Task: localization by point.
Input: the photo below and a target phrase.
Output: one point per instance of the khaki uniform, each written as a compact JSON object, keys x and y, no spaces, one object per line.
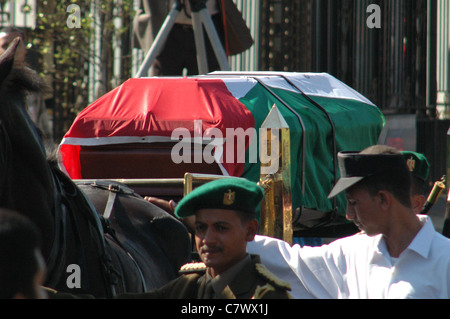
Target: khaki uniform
{"x":252,"y":281}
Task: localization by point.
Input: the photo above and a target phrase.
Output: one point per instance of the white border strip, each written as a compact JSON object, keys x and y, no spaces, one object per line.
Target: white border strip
{"x":113,"y":140}
{"x":312,"y":84}
{"x":94,"y":141}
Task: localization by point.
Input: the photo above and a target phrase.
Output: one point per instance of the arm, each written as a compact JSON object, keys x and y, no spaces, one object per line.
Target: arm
{"x":309,"y":270}
{"x":169,"y":206}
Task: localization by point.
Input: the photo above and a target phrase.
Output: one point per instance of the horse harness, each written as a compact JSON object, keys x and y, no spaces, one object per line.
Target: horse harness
{"x":114,"y":189}
{"x":68,"y":197}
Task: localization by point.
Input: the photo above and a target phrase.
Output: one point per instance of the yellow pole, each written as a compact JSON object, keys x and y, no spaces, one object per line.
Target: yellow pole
{"x":276,"y":209}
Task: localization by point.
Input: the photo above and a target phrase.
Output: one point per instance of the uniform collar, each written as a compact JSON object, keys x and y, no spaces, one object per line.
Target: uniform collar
{"x":420,"y":244}
{"x":242,"y":285}
{"x":220,"y":282}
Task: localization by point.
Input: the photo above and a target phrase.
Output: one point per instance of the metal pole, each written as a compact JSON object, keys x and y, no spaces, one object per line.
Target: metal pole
{"x":201,"y":16}
{"x":431,"y":55}
{"x":276,"y":209}
{"x":200,"y":49}
{"x":215,"y":41}
{"x":160,"y":40}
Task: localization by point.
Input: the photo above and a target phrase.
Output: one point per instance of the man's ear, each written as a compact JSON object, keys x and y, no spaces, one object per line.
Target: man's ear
{"x":418,"y":201}
{"x":385,"y":199}
{"x":252,"y":229}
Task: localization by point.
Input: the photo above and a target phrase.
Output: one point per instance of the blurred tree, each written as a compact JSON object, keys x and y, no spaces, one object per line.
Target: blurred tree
{"x":77,"y":39}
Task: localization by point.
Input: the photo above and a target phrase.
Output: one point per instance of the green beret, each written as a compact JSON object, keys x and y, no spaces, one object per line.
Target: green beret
{"x":232,"y":193}
{"x":417,"y":164}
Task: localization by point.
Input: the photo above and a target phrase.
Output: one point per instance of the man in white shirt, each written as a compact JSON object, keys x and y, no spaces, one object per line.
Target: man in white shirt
{"x":398,"y":254}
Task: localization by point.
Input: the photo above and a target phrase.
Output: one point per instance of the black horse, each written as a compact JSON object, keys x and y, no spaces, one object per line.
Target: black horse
{"x":92,"y":245}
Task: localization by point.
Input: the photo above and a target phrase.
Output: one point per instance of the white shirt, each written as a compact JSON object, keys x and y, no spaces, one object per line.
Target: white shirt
{"x":360,"y":266}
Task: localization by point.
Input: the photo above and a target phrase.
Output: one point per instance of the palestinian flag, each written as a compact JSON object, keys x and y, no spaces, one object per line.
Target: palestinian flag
{"x":324,"y":115}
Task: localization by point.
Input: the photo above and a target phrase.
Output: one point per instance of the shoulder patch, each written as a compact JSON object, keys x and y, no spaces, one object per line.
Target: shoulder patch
{"x":49,"y":290}
{"x":192,"y":268}
{"x":279,"y":283}
{"x":260,"y":292}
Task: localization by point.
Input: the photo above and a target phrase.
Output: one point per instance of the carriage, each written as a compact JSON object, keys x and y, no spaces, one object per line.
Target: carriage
{"x":123,"y":243}
{"x":150,"y":132}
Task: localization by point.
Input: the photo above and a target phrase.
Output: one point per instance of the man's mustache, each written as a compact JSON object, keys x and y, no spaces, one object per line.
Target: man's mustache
{"x":210,"y":249}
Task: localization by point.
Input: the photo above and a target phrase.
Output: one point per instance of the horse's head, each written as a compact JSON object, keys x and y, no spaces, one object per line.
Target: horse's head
{"x":14,"y":74}
{"x":26,"y":182}
{"x":72,"y":231}
{"x":7,"y":60}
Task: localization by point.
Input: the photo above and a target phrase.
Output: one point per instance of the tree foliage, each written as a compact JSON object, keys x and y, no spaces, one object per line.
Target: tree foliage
{"x":79,"y":56}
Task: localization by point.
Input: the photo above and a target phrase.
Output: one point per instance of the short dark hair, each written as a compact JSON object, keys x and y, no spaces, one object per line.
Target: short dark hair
{"x":246,"y":216}
{"x":396,"y":181}
{"x":19,"y":240}
{"x":418,"y":186}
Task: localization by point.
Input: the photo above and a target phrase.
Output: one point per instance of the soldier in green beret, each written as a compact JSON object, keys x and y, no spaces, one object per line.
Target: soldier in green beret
{"x":419,"y":167}
{"x":225,"y":221}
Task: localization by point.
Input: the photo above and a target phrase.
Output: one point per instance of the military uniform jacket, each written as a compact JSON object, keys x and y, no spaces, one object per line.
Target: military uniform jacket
{"x":253,"y":281}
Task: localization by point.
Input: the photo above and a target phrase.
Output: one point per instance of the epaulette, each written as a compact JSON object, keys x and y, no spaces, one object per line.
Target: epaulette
{"x":193,"y":268}
{"x":274,"y":280}
{"x":49,"y":290}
